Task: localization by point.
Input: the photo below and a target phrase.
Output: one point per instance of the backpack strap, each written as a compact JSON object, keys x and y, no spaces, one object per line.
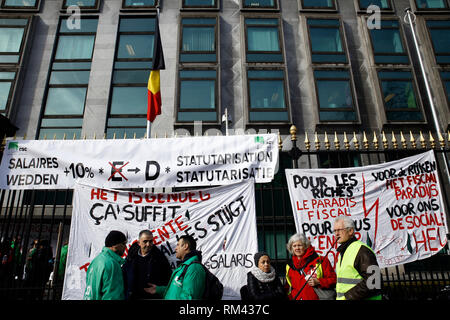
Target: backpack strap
{"x":183,"y":273}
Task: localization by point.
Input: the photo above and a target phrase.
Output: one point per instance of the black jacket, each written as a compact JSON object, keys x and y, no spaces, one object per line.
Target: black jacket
{"x":138,"y":271}
{"x":363,"y":260}
{"x":256,"y":290}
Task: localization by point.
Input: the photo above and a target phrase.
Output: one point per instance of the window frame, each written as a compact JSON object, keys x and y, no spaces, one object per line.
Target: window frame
{"x":214,"y":7}
{"x":125,"y":8}
{"x":216,"y":39}
{"x":415,"y":88}
{"x":443,"y":81}
{"x":49,"y":86}
{"x":111,"y":129}
{"x":94,"y":8}
{"x":432,"y":10}
{"x":17,"y":67}
{"x":216,"y":95}
{"x":280,"y":39}
{"x":303,"y":8}
{"x":435,"y":54}
{"x":342,"y":36}
{"x":243,"y":7}
{"x":351,"y":81}
{"x":361,"y":9}
{"x":12,"y":88}
{"x":262,"y":110}
{"x":402,"y":39}
{"x":36,"y":8}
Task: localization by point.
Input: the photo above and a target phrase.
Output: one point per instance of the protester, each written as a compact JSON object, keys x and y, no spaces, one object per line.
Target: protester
{"x":190,"y":286}
{"x":352,"y":268}
{"x":29,"y":259}
{"x":42,"y":262}
{"x":301,"y":279}
{"x":62,"y":261}
{"x":144,"y":264}
{"x":104,"y":279}
{"x":262,"y":282}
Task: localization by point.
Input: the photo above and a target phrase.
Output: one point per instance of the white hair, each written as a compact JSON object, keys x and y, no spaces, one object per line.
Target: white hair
{"x":348,"y":222}
{"x":297,"y":237}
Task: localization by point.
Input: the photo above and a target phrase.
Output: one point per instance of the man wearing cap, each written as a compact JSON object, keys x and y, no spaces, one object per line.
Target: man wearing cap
{"x":104,"y":279}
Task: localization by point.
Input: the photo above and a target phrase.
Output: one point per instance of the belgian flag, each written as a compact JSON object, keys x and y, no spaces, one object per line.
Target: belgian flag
{"x":154,"y":95}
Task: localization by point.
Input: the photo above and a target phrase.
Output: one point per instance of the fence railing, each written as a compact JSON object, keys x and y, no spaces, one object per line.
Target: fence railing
{"x":27,"y":216}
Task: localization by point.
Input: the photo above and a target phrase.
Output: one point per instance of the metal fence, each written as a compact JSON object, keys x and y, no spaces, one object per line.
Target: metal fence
{"x":44,"y":217}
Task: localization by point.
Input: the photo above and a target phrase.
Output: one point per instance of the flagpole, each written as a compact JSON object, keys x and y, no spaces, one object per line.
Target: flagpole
{"x":149,"y":125}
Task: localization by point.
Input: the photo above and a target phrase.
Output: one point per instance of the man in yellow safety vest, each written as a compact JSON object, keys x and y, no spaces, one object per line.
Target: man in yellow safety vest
{"x":356,"y":265}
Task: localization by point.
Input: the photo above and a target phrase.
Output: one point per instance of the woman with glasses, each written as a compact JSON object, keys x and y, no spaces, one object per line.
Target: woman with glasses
{"x":308,"y":275}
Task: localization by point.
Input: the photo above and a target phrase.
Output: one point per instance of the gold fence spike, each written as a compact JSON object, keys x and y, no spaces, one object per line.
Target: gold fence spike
{"x":316,"y":141}
{"x":104,"y":135}
{"x":432,"y":142}
{"x":45,"y":136}
{"x":384,"y":140}
{"x":64,"y":136}
{"x":326,"y":141}
{"x":54,"y":136}
{"x":280,"y":142}
{"x":346,"y":143}
{"x":394,"y":141}
{"x":403,"y":140}
{"x":25,"y":136}
{"x":423,"y":143}
{"x":365,"y":141}
{"x":375,"y":141}
{"x":293,"y":132}
{"x":125,"y":135}
{"x":114,"y":135}
{"x":355,"y":141}
{"x":412,"y":140}
{"x":3,"y":145}
{"x":441,"y":140}
{"x":134,"y":135}
{"x":337,"y":145}
{"x":307,"y":143}
{"x":95,"y":135}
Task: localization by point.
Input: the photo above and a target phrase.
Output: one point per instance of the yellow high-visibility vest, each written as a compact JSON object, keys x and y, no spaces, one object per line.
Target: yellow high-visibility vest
{"x":347,"y":275}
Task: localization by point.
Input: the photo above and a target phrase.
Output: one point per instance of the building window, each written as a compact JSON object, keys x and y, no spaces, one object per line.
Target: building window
{"x":198,"y":40}
{"x":132,"y":65}
{"x":19,"y":4}
{"x":382,"y":4}
{"x":318,"y":4}
{"x":269,"y":4}
{"x":387,"y":43}
{"x":197,"y":95}
{"x":198,"y":72}
{"x":68,"y":81}
{"x":335,"y":95}
{"x":431,"y":4}
{"x":200,"y":4}
{"x":7,"y":80}
{"x":263,"y":40}
{"x":130,"y":4}
{"x":13,"y":38}
{"x":445,"y":75}
{"x":399,"y":96}
{"x":267,"y":95}
{"x":83,"y":4}
{"x":326,"y":41}
{"x":439,"y":33}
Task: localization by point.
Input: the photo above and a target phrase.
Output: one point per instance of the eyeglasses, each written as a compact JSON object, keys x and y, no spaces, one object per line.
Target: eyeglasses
{"x":338,"y":230}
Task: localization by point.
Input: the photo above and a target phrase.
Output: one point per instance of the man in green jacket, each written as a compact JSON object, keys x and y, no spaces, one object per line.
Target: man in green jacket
{"x":190,"y":286}
{"x":104,"y":279}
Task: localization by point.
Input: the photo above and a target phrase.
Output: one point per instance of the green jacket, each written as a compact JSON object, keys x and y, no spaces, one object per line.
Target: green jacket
{"x":192,"y":285}
{"x":104,"y":279}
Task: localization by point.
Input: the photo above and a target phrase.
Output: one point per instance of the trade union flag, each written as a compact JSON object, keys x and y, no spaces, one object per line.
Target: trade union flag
{"x":154,"y":94}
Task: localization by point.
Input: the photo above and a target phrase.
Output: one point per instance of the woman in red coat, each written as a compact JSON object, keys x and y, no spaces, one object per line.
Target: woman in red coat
{"x":301,"y":270}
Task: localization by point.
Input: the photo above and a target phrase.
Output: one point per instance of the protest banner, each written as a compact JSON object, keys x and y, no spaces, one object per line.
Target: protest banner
{"x":397,"y":207}
{"x":221,"y":219}
{"x":139,"y":163}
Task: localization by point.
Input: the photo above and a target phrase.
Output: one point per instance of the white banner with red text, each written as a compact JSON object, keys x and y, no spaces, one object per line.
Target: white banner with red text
{"x":397,"y":207}
{"x":139,"y":163}
{"x":221,"y":219}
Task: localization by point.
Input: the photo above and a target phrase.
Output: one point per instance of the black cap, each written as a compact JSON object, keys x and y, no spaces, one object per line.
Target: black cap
{"x":258,"y":256}
{"x":115,"y":237}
